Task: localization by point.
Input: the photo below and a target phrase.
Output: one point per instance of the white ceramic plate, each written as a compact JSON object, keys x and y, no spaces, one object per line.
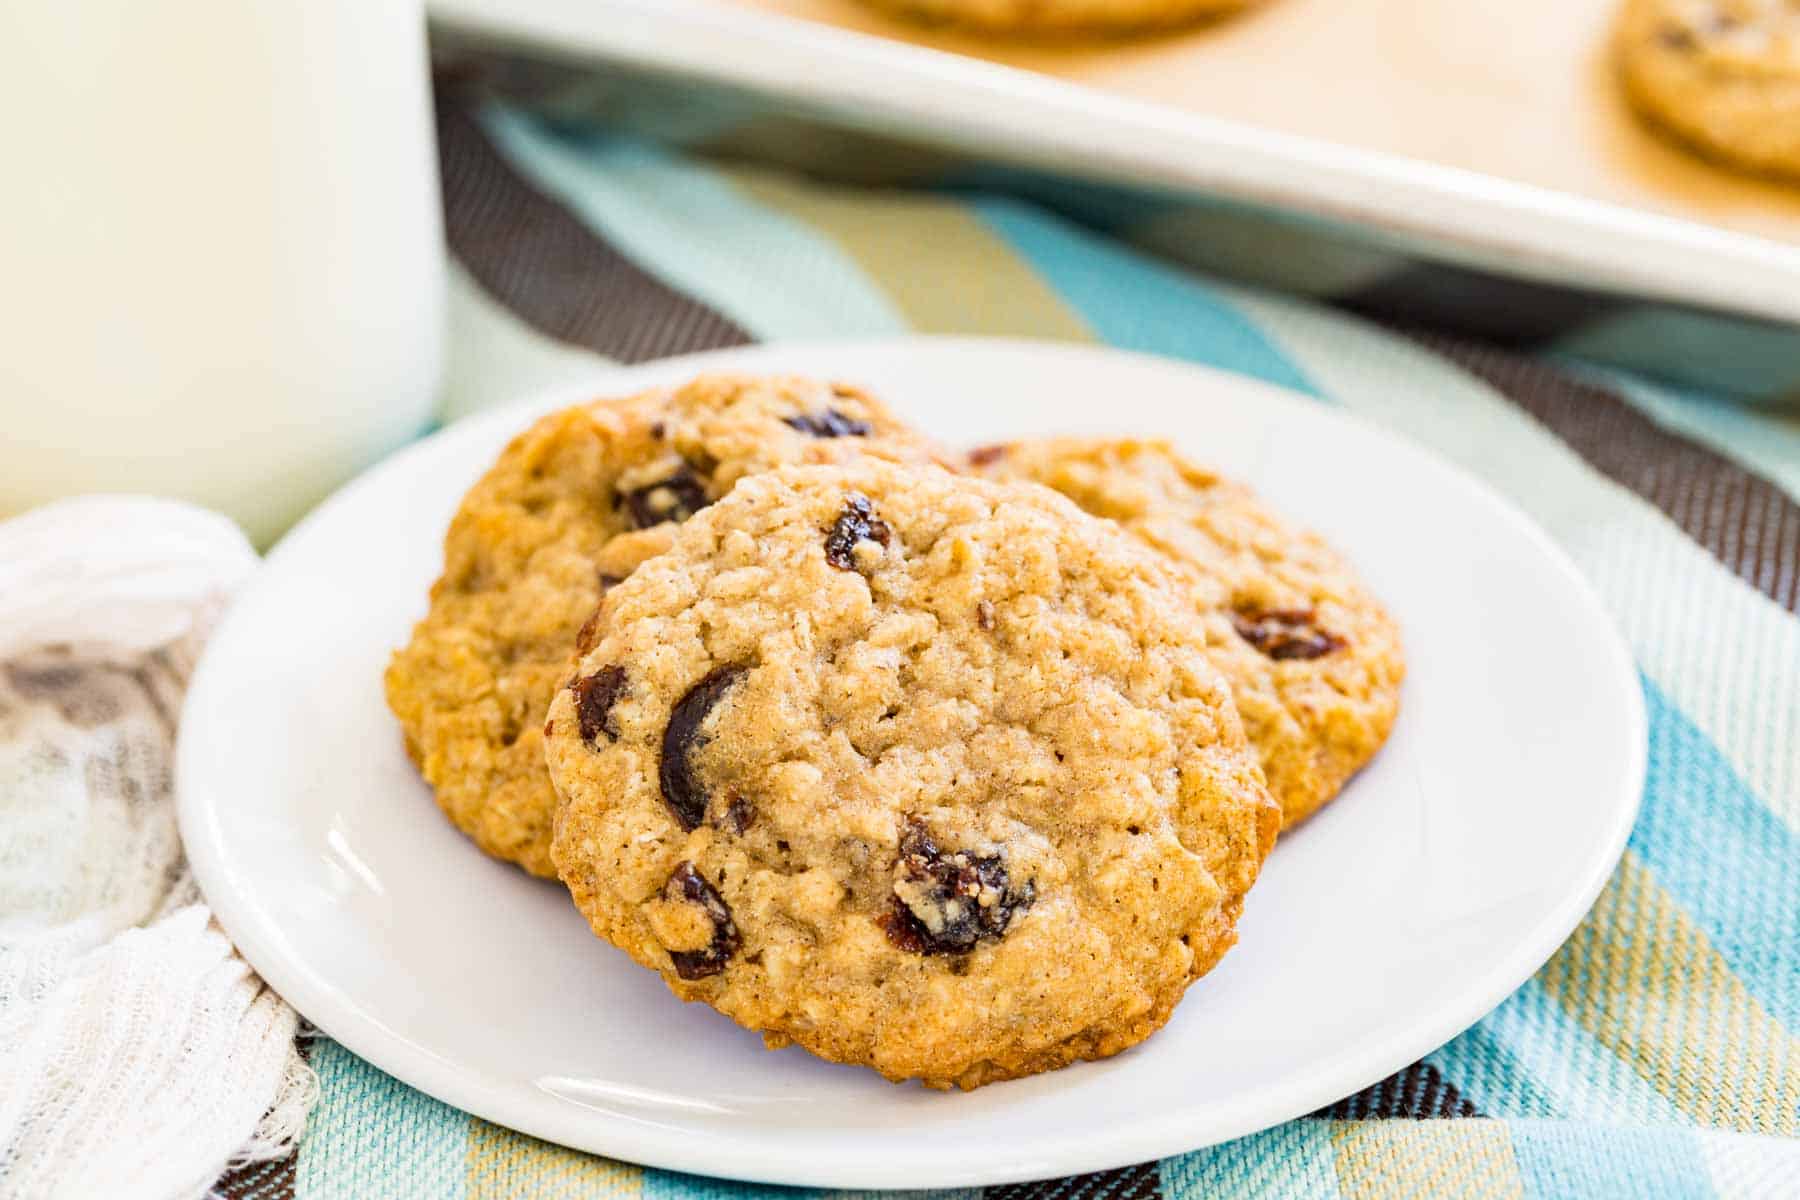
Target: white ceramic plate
{"x":1444,"y":876}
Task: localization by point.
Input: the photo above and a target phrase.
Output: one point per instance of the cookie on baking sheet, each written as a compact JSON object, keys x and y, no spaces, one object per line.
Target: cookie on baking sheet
{"x":573,"y":503}
{"x":1061,"y":16}
{"x":917,"y":770}
{"x":1313,"y":659}
{"x":1723,"y":75}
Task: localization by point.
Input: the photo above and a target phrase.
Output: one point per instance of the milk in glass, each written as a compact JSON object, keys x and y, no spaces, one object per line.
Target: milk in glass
{"x":221,"y":271}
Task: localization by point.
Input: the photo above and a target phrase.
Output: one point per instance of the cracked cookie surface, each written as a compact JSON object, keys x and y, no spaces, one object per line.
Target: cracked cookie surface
{"x":573,"y":504}
{"x":1722,"y":75}
{"x":917,"y":770}
{"x":1314,"y":661}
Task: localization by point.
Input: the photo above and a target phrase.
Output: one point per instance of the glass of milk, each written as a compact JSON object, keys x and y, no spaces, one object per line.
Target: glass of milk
{"x":221,"y":260}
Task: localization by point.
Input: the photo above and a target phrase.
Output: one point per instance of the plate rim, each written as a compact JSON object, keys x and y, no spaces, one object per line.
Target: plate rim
{"x":258,"y":939}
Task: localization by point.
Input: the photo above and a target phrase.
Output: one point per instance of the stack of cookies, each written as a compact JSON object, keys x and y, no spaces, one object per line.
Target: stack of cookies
{"x":955,"y":766}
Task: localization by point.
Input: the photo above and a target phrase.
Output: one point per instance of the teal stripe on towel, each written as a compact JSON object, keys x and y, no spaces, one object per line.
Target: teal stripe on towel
{"x":1136,"y":303}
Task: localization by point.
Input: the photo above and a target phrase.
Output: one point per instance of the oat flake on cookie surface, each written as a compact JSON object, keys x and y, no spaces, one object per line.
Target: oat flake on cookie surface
{"x":917,"y":770}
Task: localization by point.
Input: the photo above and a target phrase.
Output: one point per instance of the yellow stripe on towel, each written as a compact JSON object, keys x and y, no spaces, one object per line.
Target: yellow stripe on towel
{"x":1454,"y":1158}
{"x":1646,"y":981}
{"x":501,"y":1163}
{"x":938,"y":262}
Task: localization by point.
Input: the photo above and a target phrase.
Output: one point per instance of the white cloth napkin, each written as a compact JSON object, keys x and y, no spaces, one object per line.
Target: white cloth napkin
{"x":139,"y":1055}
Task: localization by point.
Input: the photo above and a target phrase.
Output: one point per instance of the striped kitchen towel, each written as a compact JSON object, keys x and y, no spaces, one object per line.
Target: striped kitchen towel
{"x":1657,"y":1053}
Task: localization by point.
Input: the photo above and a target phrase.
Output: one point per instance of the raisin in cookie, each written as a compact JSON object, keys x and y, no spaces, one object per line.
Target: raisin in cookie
{"x":1061,"y":17}
{"x":1313,"y":660}
{"x":1723,"y":75}
{"x":574,"y":503}
{"x":917,"y":770}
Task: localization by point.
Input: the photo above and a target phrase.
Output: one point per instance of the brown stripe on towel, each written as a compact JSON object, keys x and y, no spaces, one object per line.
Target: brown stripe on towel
{"x":542,"y":262}
{"x":1512,"y":312}
{"x":258,"y":1181}
{"x":1140,"y":1182}
{"x":1747,"y":523}
{"x":1420,"y":1092}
